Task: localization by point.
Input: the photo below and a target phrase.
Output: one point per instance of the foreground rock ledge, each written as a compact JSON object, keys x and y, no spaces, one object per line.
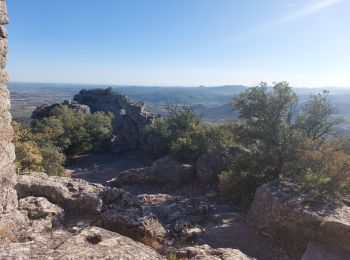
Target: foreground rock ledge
{"x":90,"y":243}
{"x":294,"y":219}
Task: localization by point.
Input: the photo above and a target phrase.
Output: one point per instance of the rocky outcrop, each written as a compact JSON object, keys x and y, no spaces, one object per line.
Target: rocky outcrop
{"x":112,"y":208}
{"x":39,"y":207}
{"x":130,"y":117}
{"x":166,"y":170}
{"x":89,"y":243}
{"x":210,"y":165}
{"x":282,"y":212}
{"x":205,"y":252}
{"x":46,"y":110}
{"x":77,"y":195}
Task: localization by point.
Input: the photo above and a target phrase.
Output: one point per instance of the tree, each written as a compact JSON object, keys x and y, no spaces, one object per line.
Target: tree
{"x":317,"y":120}
{"x":267,"y":117}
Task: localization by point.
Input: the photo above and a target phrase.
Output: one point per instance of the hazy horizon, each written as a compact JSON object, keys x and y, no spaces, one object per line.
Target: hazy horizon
{"x":166,"y":86}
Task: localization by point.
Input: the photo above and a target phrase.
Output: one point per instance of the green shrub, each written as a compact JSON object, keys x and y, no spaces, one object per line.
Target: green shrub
{"x":45,"y":144}
{"x":53,"y":161}
{"x":180,"y":134}
{"x":28,"y":157}
{"x":74,"y":132}
{"x":224,"y":134}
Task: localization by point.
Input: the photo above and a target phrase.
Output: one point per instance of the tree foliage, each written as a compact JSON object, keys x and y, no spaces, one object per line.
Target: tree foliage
{"x":273,"y":130}
{"x":180,"y":134}
{"x":317,"y":120}
{"x":45,"y":144}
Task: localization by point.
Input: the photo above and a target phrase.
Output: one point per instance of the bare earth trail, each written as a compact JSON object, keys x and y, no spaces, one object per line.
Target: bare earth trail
{"x":224,"y":228}
{"x":103,"y":167}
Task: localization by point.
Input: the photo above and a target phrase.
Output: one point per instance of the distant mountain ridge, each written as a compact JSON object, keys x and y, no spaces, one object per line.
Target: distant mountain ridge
{"x":212,"y":103}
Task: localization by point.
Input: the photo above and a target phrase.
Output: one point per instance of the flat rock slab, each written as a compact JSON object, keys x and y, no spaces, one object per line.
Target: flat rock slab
{"x":91,"y":243}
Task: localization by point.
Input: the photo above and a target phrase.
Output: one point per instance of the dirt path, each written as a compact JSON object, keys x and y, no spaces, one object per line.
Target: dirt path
{"x":103,"y":167}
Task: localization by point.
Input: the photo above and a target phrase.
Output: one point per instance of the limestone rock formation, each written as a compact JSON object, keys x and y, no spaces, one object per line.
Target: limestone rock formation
{"x":166,"y":170}
{"x":130,"y":117}
{"x":113,"y":209}
{"x":45,"y":110}
{"x":89,"y":243}
{"x":210,"y":165}
{"x":39,"y":208}
{"x":282,"y":212}
{"x":76,"y":195}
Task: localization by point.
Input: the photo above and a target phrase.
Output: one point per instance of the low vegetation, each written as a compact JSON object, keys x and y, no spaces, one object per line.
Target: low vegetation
{"x":180,"y":134}
{"x":45,"y":144}
{"x":285,"y":139}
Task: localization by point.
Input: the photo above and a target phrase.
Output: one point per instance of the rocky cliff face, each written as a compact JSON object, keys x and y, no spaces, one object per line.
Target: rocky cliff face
{"x":130,"y":117}
{"x":8,"y":197}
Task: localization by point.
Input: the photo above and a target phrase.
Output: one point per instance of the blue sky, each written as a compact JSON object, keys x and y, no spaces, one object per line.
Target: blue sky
{"x":180,"y":42}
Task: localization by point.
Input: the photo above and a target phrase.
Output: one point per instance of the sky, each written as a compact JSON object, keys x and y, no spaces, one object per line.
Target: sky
{"x":180,"y":42}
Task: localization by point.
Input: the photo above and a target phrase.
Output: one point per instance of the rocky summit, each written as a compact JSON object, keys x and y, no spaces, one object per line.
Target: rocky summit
{"x":168,"y":210}
{"x":130,"y":117}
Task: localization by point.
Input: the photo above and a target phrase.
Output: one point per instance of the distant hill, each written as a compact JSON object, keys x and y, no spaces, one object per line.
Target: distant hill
{"x":211,"y":103}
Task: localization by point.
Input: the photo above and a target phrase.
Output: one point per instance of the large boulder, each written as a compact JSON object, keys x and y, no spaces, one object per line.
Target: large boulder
{"x":210,"y":165}
{"x":90,"y":243}
{"x":76,"y":195}
{"x":166,"y":170}
{"x":113,"y":209}
{"x":292,"y":218}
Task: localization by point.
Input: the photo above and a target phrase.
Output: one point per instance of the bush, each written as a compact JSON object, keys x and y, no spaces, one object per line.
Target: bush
{"x":323,"y":170}
{"x":180,"y":134}
{"x":224,"y":134}
{"x":74,"y":132}
{"x":53,"y":161}
{"x":28,"y":157}
{"x":45,"y":144}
